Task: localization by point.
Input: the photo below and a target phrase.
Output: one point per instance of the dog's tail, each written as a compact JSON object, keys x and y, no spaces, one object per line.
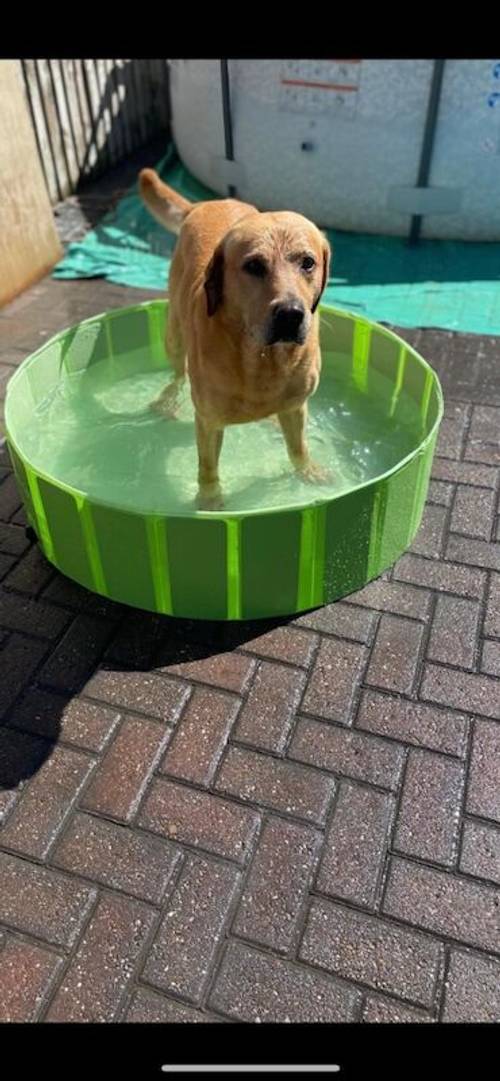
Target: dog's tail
{"x":163,"y":202}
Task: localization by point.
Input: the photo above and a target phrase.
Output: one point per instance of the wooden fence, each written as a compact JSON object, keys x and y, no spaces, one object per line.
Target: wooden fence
{"x":88,"y":115}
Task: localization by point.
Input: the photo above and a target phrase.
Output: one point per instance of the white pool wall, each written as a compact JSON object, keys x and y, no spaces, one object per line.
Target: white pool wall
{"x":363,"y":141}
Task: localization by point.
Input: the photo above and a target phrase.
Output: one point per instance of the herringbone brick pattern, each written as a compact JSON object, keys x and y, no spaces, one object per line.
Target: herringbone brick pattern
{"x":295,"y":821}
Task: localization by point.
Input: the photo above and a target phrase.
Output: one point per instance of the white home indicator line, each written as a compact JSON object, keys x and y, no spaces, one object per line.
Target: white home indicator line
{"x":246,"y":1068}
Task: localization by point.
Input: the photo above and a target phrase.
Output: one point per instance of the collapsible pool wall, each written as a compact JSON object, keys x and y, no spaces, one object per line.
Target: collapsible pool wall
{"x":333,"y":546}
{"x":406,"y":148}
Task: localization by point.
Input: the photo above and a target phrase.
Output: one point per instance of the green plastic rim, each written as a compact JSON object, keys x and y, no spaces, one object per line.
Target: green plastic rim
{"x":254,"y":564}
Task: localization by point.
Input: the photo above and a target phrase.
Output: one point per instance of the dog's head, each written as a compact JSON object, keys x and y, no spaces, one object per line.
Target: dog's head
{"x":268,"y":274}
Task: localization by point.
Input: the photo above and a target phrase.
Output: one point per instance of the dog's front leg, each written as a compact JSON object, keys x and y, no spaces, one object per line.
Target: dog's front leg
{"x":209,"y":441}
{"x":293,"y":426}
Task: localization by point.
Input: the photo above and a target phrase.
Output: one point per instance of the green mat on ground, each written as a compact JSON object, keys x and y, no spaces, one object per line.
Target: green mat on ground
{"x":453,"y":285}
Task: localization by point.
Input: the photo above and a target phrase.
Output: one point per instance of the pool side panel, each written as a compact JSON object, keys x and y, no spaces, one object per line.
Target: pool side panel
{"x":21,"y":475}
{"x":270,"y":558}
{"x":122,"y":542}
{"x":311,"y":570}
{"x":69,"y":542}
{"x":197,"y":559}
{"x":348,"y":542}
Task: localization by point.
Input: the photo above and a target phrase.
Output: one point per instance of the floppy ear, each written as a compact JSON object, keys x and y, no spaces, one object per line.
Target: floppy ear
{"x":214,"y":281}
{"x":327,"y":254}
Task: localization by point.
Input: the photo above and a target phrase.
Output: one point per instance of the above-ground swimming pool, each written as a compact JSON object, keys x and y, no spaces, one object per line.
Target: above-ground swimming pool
{"x":109,"y":486}
{"x":361,"y":145}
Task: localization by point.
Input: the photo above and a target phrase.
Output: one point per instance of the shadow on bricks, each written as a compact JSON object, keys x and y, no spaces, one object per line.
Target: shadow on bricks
{"x":291,"y":820}
{"x":58,"y":640}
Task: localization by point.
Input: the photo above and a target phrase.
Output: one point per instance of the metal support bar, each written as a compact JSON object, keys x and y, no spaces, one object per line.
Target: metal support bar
{"x":428,"y":143}
{"x":228,"y":125}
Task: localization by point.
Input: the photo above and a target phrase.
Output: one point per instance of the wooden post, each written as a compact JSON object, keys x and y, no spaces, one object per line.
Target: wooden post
{"x":29,"y":245}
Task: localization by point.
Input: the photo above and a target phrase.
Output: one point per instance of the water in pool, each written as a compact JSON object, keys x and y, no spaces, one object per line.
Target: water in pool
{"x":101,"y":437}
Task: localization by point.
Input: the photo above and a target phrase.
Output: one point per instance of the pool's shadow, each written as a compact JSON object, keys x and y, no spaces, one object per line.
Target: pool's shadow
{"x":113,"y":638}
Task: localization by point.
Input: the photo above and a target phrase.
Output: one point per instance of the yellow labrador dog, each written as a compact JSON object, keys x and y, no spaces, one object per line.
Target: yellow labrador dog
{"x":243,"y":323}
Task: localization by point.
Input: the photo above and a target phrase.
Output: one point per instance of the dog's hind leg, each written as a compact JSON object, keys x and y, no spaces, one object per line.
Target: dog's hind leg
{"x":174,"y":344}
{"x":167,"y":403}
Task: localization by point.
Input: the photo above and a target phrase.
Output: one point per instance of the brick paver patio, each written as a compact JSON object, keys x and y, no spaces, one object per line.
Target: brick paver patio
{"x":296,"y":821}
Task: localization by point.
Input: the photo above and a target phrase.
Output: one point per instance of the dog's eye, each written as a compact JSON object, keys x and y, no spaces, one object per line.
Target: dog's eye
{"x":255,"y":267}
{"x":308,"y":263}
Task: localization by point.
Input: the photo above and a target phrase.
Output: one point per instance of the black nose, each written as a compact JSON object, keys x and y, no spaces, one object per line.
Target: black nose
{"x":287,"y":322}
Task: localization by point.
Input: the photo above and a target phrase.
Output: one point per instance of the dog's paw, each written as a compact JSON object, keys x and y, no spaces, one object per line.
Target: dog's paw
{"x":167,"y":404}
{"x":210,"y":500}
{"x":315,"y":474}
{"x":167,"y":410}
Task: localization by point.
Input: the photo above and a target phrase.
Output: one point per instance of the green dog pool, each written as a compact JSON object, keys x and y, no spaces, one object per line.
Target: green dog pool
{"x":109,"y":486}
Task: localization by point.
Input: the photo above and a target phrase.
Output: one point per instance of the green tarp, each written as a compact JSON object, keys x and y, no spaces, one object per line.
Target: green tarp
{"x":453,"y":285}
